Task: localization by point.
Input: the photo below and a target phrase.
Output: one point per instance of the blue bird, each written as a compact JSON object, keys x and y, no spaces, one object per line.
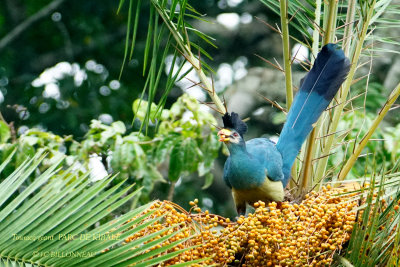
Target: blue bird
{"x":259,"y":169}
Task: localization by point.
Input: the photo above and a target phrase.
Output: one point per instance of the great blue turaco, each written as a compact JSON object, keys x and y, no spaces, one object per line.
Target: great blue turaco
{"x":259,"y":169}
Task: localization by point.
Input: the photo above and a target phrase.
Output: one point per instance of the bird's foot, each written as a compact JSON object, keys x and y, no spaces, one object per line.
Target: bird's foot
{"x":240,"y":211}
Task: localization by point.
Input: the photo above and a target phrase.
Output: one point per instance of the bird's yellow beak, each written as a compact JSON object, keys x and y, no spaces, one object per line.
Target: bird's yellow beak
{"x":224,"y":135}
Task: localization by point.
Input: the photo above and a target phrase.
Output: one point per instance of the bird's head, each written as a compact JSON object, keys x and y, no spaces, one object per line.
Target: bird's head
{"x":234,"y":129}
{"x":229,"y":136}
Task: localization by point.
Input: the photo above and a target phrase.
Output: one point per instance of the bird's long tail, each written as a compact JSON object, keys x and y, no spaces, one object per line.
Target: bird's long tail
{"x":317,"y":90}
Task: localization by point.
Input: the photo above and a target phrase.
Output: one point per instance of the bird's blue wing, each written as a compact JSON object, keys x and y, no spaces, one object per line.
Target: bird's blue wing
{"x":226,"y":168}
{"x":317,"y":90}
{"x":270,"y":158}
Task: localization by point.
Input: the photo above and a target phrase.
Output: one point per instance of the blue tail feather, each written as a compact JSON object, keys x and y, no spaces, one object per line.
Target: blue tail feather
{"x":316,"y":91}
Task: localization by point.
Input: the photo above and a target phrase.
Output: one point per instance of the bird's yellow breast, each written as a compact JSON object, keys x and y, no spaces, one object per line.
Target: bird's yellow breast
{"x":267,"y":192}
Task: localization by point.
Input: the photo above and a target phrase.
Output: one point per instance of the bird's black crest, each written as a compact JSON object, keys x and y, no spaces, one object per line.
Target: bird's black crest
{"x":234,"y":122}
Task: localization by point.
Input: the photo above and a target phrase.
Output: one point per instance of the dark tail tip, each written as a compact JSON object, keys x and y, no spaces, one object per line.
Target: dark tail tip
{"x":329,"y":71}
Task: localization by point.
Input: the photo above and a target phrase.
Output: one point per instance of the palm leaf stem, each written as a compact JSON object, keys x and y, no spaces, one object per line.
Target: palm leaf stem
{"x":331,"y":23}
{"x":287,"y":63}
{"x":286,"y":52}
{"x":348,"y":29}
{"x":306,"y":171}
{"x":348,"y":32}
{"x":321,"y":167}
{"x":315,"y":41}
{"x":386,"y":107}
{"x":184,"y":45}
{"x":305,"y":175}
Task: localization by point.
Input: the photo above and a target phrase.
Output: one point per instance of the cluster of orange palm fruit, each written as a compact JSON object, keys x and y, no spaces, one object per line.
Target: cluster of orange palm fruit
{"x":304,"y":234}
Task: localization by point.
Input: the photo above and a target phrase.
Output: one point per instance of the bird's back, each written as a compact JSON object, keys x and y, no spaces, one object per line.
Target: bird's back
{"x":270,"y":158}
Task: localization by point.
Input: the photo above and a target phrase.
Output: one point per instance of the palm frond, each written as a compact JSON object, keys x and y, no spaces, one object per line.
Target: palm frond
{"x":375,"y":238}
{"x":301,"y":13}
{"x":53,"y":221}
{"x":169,"y":33}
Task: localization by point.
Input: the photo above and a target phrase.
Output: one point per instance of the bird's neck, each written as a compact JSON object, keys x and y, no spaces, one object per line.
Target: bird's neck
{"x":246,"y":171}
{"x":236,"y":150}
{"x":242,"y":158}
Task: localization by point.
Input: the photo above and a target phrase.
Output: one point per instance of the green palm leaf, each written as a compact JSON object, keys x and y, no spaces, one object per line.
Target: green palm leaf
{"x":375,"y":238}
{"x":168,"y":33}
{"x":52,"y":222}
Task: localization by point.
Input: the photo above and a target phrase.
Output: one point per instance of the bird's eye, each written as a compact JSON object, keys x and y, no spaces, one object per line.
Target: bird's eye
{"x":235,"y":134}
